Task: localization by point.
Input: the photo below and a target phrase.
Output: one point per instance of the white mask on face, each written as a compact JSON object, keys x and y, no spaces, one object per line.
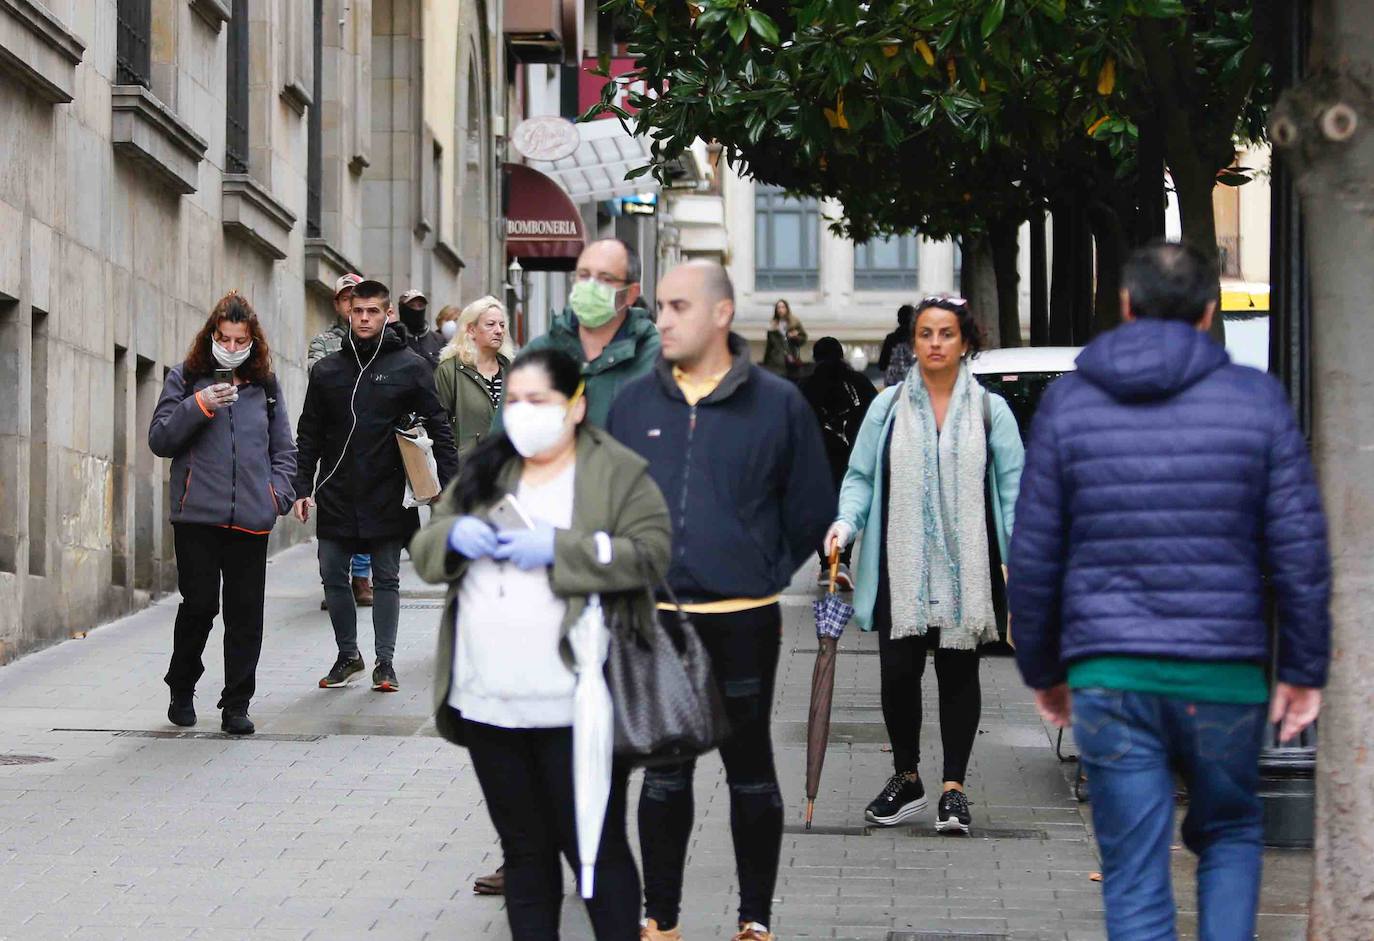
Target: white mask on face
{"x":533,"y":429}
{"x":449,"y":328}
{"x":230,"y":360}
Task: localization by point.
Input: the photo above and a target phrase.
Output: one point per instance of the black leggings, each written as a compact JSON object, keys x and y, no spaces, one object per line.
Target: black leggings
{"x":902,"y":663}
{"x":743,"y":648}
{"x":526,"y":778}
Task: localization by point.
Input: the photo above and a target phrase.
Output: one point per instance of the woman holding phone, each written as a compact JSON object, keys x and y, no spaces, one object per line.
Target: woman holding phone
{"x":544,"y":514}
{"x":222,"y":422}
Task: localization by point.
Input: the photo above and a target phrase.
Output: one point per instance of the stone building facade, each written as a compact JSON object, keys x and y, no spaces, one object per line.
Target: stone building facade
{"x":161,"y":152}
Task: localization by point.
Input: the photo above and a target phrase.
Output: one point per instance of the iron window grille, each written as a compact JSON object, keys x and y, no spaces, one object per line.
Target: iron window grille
{"x":133,"y":42}
{"x":889,"y":264}
{"x":236,"y":117}
{"x":786,"y":241}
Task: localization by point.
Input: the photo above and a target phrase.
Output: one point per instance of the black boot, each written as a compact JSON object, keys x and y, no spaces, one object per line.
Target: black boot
{"x":236,"y":722}
{"x":182,"y":711}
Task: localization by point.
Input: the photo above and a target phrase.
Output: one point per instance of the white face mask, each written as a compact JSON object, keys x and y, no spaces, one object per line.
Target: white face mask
{"x":230,"y":360}
{"x":534,"y":429}
{"x":449,"y":328}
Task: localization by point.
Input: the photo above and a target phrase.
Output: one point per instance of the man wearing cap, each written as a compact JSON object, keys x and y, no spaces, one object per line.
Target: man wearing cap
{"x":330,"y":341}
{"x":413,"y":309}
{"x":350,"y":471}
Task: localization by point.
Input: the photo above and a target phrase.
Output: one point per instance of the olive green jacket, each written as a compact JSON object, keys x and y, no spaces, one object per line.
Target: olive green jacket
{"x":463,"y":392}
{"x":613,"y":494}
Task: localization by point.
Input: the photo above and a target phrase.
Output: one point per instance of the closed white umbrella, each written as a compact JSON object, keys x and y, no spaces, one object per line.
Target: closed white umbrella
{"x":593,"y":736}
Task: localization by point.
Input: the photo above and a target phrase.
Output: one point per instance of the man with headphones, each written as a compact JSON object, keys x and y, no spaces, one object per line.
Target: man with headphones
{"x":355,"y":401}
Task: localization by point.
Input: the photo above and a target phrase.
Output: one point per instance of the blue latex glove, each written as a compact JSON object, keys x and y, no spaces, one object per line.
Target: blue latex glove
{"x":472,"y":538}
{"x":527,"y":548}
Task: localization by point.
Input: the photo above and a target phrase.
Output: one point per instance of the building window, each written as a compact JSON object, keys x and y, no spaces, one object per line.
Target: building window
{"x":314,"y":172}
{"x":786,"y":241}
{"x":888,"y":264}
{"x":236,"y":136}
{"x":133,"y":43}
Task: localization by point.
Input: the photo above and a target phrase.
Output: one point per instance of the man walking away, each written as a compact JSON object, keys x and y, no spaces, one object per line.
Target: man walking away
{"x":840,"y":396}
{"x":355,"y":401}
{"x":414,"y":310}
{"x":322,"y":345}
{"x":1162,"y":484}
{"x":737,"y":453}
{"x":610,"y":337}
{"x":897,"y":356}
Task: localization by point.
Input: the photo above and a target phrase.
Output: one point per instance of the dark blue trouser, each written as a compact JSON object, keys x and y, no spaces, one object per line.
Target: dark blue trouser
{"x":1131,"y":744}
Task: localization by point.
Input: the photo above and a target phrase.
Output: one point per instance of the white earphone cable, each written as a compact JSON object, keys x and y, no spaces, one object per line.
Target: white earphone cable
{"x":352,"y":403}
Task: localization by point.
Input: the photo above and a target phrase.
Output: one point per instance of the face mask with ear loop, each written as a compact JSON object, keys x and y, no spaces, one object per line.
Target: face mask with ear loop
{"x":352,"y":404}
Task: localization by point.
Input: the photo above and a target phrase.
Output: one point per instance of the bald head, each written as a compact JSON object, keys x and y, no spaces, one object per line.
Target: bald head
{"x":696,"y":306}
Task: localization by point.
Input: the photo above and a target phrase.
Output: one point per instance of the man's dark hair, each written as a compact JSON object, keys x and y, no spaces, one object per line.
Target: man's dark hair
{"x":1169,"y":281}
{"x":369,"y":290}
{"x":827,"y":350}
{"x":906,"y":316}
{"x":634,"y":270}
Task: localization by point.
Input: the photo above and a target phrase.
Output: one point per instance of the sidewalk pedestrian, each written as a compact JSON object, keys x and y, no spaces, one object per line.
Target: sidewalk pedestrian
{"x":932,"y":483}
{"x":896,"y":358}
{"x":322,"y":345}
{"x":612,"y":339}
{"x":356,"y":400}
{"x":504,"y":686}
{"x":840,"y":396}
{"x":413,"y":310}
{"x":1163,"y":484}
{"x":472,"y":371}
{"x":783,"y":345}
{"x":739,"y":456}
{"x":232,"y":467}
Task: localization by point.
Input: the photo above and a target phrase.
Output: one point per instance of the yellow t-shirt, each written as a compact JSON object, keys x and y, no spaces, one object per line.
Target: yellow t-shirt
{"x":694,"y":390}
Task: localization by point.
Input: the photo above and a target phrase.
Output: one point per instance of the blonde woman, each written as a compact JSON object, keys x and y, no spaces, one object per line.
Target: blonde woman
{"x":471,"y":378}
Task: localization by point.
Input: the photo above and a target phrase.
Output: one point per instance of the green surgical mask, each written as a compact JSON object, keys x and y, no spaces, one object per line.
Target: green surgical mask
{"x":593,"y":303}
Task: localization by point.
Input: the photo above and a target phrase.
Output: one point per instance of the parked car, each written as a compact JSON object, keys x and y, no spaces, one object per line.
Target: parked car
{"x":1022,"y":374}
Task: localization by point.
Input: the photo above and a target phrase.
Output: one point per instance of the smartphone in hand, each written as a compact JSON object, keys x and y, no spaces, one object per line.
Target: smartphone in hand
{"x":509,"y":515}
{"x":225,"y":376}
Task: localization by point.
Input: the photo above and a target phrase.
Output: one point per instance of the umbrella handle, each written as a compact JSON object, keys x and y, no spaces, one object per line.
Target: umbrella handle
{"x":810,"y":809}
{"x":834,"y":566}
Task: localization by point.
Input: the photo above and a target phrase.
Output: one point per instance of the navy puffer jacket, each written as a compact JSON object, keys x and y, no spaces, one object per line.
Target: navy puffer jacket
{"x":1162,"y":483}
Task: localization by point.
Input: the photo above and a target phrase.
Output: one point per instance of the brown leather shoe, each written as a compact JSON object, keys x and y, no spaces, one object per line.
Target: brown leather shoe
{"x":362,"y":592}
{"x":494,"y":884}
{"x":650,"y":931}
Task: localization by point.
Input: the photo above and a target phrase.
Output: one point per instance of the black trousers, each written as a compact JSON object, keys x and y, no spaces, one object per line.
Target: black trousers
{"x":526,"y":778}
{"x":901,"y":664}
{"x":743,"y":648}
{"x":211,"y":559}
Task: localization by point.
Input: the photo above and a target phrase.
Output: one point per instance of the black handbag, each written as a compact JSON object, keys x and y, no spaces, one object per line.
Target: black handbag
{"x":667,"y":705}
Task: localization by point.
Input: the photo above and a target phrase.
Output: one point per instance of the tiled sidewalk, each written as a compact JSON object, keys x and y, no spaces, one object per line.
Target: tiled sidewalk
{"x":347,"y":817}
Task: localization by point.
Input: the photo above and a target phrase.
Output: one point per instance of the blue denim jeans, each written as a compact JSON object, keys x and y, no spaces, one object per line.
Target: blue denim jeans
{"x":361,"y":566}
{"x":1131,"y":745}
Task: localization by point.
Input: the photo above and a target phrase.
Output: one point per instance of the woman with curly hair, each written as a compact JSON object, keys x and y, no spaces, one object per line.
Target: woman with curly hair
{"x":223,"y":423}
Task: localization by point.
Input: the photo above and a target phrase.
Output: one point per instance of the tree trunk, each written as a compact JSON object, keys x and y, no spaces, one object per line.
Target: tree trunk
{"x":1064,"y":280}
{"x":1149,"y":187}
{"x":1006,"y":246}
{"x":979,"y":286}
{"x":1333,"y":178}
{"x":1109,"y":243}
{"x":1082,"y":273}
{"x":1199,"y":222}
{"x":1039,"y":282}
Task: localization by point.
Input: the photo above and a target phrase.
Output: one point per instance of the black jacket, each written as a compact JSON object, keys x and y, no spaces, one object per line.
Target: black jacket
{"x":840,"y":396}
{"x":428,"y":344}
{"x":744,"y":473}
{"x":362,"y":499}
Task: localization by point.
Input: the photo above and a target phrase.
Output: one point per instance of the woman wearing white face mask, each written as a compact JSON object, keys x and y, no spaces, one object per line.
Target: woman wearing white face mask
{"x":503,"y":686}
{"x":471,"y":377}
{"x":233,"y":459}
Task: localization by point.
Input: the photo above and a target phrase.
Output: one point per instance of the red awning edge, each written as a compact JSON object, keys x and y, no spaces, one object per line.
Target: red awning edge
{"x":544,"y":228}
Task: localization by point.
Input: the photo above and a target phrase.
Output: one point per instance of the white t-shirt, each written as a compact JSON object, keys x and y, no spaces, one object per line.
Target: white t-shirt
{"x":506,"y":664}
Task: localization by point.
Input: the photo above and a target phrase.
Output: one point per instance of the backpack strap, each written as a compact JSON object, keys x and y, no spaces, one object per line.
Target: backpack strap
{"x":272,"y":391}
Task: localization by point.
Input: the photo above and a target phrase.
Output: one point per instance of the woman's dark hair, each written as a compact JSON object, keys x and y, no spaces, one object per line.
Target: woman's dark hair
{"x":969,"y":329}
{"x":482,"y":465}
{"x":827,"y":350}
{"x":786,"y":306}
{"x":232,"y":308}
{"x":1169,"y":281}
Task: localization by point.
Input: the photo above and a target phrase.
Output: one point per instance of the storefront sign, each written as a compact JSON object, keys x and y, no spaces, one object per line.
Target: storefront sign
{"x":545,"y":137}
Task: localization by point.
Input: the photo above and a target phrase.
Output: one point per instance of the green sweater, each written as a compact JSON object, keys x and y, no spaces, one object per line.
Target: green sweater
{"x":1222,"y":681}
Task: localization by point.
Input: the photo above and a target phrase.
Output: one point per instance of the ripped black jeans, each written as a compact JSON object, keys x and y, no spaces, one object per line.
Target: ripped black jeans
{"x":743,"y":647}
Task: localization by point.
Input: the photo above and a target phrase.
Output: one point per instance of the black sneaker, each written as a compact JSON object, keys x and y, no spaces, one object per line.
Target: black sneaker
{"x":900,"y":799}
{"x":236,"y":722}
{"x":182,"y":710}
{"x":952,"y":816}
{"x":384,"y":678}
{"x":344,"y":669}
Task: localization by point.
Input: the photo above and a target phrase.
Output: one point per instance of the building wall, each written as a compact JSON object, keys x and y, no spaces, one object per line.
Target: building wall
{"x":117,"y":237}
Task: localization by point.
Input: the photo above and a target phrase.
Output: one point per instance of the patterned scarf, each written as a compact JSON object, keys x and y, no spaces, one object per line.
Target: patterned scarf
{"x":937,"y":489}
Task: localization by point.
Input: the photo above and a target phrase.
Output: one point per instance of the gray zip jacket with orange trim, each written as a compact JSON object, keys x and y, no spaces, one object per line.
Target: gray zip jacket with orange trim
{"x":231,"y":467}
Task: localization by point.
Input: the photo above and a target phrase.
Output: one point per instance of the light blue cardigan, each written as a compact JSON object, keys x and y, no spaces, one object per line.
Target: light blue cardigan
{"x":861,"y":494}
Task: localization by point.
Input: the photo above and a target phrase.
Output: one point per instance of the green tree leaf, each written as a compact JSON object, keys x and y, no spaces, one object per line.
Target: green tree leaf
{"x":992,"y":17}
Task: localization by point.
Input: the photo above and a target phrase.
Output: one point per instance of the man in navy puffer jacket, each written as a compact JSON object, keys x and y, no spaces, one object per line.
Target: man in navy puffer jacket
{"x":1162,"y":485}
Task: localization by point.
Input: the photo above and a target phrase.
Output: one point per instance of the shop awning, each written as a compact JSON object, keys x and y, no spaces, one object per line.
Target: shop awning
{"x":544,"y":230}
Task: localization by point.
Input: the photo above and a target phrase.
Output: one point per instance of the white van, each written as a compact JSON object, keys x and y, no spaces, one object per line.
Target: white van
{"x":1022,"y":374}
